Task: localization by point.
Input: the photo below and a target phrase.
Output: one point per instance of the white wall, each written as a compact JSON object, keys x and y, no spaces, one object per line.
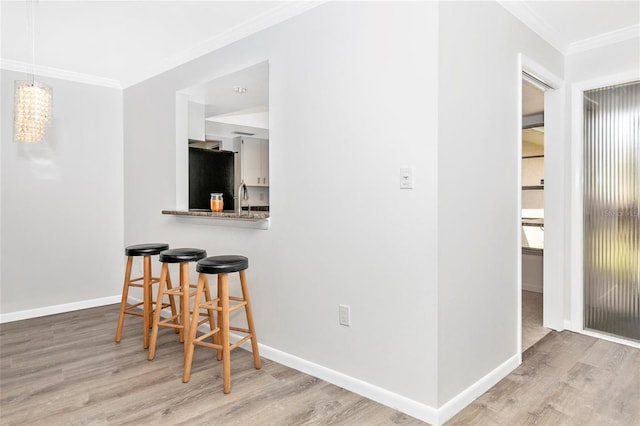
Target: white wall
{"x":350,"y":85}
{"x":196,"y":121}
{"x":477,"y":188}
{"x":604,"y":61}
{"x":62,"y":201}
{"x":258,"y":196}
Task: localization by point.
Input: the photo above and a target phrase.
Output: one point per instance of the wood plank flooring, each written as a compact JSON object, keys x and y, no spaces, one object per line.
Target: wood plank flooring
{"x":532,"y":329}
{"x":564,"y":379}
{"x":67,"y":370}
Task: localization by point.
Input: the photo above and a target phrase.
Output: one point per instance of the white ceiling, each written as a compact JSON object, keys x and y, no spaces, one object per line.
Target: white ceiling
{"x":220,"y":97}
{"x":120,"y":43}
{"x":125,"y":42}
{"x":227,"y":110}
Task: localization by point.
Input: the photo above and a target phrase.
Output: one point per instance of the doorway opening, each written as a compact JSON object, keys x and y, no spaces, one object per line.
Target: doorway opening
{"x":556,"y":204}
{"x":532,"y":208}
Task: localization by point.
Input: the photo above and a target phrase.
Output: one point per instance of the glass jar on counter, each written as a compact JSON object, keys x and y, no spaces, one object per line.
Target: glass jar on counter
{"x":217,"y":202}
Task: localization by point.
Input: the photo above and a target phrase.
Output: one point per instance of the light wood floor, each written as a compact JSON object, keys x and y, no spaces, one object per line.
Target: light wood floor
{"x":532,"y":329}
{"x":67,"y":370}
{"x":564,"y":379}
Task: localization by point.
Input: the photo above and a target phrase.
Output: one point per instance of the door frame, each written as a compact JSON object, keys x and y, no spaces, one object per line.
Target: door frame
{"x":554,"y":200}
{"x":576,"y":321}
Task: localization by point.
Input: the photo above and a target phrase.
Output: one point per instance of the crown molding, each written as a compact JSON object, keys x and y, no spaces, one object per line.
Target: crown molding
{"x":11,"y":65}
{"x":285,"y":11}
{"x":616,"y":36}
{"x":536,"y":23}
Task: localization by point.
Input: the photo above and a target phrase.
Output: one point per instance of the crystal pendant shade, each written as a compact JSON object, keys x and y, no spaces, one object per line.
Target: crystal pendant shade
{"x":32,"y":111}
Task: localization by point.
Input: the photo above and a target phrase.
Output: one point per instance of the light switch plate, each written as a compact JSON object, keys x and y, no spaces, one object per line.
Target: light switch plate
{"x":406,"y":178}
{"x":344,"y":315}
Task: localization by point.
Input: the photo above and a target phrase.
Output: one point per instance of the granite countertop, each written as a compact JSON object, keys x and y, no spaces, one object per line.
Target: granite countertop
{"x":227,"y":214}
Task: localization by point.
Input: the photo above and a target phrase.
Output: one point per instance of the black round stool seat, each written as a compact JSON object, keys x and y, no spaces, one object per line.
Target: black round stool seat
{"x":222,"y":264}
{"x":181,"y":255}
{"x":148,"y":249}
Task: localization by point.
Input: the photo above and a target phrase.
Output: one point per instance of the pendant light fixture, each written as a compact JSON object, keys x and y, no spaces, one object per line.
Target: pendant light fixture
{"x":32,"y":107}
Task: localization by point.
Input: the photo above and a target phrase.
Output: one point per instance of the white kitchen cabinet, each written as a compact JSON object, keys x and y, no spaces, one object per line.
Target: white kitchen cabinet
{"x":255,"y":161}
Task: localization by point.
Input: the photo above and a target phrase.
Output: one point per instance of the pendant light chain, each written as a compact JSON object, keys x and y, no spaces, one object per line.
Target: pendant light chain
{"x":32,"y":21}
{"x":32,"y":102}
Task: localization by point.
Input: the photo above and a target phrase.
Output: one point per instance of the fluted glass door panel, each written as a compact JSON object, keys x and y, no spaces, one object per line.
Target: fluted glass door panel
{"x":611,"y":207}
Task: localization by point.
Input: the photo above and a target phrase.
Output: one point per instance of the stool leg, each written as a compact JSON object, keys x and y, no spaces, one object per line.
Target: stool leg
{"x":207,"y":298}
{"x":125,"y":294}
{"x":184,"y":300}
{"x":147,"y":320}
{"x":218,"y":336}
{"x":172,"y":303}
{"x":156,"y":316}
{"x":188,"y":344}
{"x":226,"y":353}
{"x":251,"y":327}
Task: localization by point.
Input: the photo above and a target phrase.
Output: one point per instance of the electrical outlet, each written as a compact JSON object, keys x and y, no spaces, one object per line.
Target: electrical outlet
{"x":344,"y":315}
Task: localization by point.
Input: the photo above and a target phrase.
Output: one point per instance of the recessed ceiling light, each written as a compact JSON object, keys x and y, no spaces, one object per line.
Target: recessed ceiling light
{"x":240,"y":90}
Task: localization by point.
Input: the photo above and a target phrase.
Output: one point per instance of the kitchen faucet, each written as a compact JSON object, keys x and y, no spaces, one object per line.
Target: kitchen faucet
{"x":243,"y":194}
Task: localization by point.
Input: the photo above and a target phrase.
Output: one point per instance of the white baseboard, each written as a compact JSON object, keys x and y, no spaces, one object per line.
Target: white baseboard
{"x":58,"y":309}
{"x":401,"y":403}
{"x":568,"y":325}
{"x":466,"y":397}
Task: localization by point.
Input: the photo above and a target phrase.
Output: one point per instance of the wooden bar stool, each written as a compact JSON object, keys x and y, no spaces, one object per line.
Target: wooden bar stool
{"x":221,"y":266}
{"x":145,"y":282}
{"x":178,"y":321}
